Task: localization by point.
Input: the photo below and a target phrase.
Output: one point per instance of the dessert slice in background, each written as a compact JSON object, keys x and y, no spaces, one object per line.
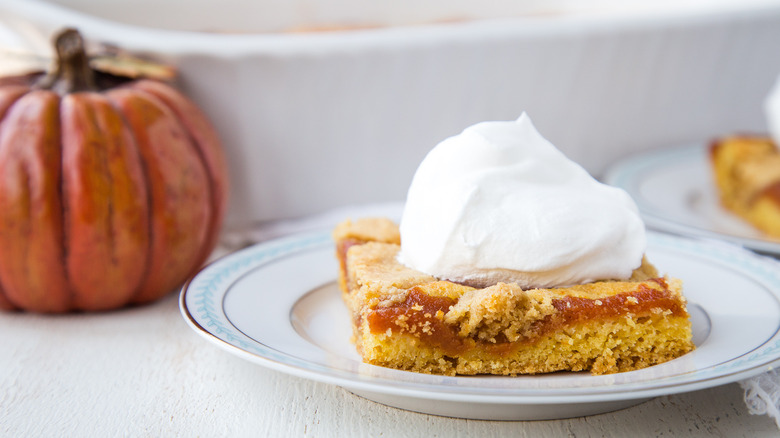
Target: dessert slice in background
{"x":747,"y":176}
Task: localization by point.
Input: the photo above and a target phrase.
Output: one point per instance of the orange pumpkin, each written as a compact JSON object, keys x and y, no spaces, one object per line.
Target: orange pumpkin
{"x":111,"y":192}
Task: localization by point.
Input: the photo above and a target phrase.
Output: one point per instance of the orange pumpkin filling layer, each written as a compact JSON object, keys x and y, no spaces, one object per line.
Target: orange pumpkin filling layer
{"x":420,"y":310}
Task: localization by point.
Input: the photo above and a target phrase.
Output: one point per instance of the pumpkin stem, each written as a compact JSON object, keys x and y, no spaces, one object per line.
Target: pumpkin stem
{"x":71,"y":72}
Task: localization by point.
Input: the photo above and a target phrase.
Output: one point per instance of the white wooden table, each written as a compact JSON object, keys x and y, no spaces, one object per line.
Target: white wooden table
{"x":144,"y":372}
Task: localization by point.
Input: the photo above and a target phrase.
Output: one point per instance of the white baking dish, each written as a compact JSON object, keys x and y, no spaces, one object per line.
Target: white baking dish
{"x":317,"y":120}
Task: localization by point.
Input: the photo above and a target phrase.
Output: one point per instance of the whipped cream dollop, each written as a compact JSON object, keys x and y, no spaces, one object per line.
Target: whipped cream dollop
{"x":772,"y":110}
{"x":499,"y":203}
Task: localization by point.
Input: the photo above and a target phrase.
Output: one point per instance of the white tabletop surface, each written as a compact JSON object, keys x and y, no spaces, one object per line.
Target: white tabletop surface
{"x":143,"y":372}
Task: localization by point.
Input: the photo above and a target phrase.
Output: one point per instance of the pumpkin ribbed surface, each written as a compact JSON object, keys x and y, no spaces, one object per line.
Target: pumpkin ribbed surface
{"x":107,"y":197}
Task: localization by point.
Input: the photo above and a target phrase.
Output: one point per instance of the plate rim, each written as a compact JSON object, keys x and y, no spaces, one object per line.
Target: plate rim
{"x":318,"y":240}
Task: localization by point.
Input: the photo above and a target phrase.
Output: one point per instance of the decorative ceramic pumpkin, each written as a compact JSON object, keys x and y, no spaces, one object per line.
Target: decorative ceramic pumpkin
{"x":108,"y":196}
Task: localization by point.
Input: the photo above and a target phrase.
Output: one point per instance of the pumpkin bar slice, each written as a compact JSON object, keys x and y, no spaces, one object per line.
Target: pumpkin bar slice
{"x":408,"y":320}
{"x":747,"y":176}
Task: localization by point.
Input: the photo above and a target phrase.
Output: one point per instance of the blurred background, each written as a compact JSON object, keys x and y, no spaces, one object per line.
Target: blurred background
{"x":324,"y":104}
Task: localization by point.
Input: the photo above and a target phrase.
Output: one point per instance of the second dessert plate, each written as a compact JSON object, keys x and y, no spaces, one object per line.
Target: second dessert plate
{"x":277,"y":304}
{"x":675,"y":192}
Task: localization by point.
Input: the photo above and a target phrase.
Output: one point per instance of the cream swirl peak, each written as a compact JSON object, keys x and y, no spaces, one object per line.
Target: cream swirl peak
{"x":499,"y":203}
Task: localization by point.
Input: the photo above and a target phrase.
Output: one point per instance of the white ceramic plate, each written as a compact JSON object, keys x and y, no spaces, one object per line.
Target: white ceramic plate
{"x":675,"y":192}
{"x":277,"y":304}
